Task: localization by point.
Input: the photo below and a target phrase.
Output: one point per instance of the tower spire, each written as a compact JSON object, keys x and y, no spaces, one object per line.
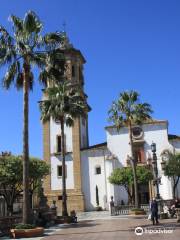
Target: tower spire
{"x":65,"y":43}
{"x":64,"y":26}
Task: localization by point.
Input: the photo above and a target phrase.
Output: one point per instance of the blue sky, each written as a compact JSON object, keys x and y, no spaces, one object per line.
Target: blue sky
{"x":128,"y":44}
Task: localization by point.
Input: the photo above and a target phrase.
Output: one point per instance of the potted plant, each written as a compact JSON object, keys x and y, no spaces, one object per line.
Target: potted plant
{"x":26,"y":230}
{"x":98,"y":208}
{"x":163,"y":215}
{"x":64,"y":219}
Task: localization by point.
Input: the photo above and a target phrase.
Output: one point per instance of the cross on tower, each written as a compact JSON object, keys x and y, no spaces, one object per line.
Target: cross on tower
{"x":64,"y":26}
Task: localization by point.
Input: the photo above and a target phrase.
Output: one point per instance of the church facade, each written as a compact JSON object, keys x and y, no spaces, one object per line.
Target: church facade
{"x":88,"y":167}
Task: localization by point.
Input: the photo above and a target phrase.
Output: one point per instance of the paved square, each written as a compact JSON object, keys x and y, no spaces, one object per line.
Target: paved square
{"x":117,"y":228}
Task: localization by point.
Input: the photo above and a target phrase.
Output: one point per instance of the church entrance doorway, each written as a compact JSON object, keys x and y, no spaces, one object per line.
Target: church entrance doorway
{"x":143,"y":194}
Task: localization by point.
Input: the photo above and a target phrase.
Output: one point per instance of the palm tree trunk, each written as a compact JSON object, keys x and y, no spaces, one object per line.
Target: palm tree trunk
{"x":174,"y":192}
{"x":133,"y":164}
{"x":64,"y":196}
{"x":175,"y":186}
{"x":26,"y":203}
{"x":10,"y":210}
{"x":175,"y":183}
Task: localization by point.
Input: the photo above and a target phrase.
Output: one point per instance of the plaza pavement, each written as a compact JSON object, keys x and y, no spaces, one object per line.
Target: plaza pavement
{"x":117,"y":228}
{"x":102,"y":226}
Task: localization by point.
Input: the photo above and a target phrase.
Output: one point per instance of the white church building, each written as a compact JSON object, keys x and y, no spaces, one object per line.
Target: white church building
{"x":88,"y":167}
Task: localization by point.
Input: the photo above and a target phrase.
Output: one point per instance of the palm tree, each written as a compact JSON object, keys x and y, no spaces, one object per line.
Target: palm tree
{"x":63,"y":104}
{"x":127,"y":110}
{"x":19,"y":52}
{"x":55,"y":69}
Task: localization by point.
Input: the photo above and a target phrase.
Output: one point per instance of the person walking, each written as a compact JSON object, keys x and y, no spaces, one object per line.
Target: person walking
{"x":154,"y":211}
{"x":112,"y":207}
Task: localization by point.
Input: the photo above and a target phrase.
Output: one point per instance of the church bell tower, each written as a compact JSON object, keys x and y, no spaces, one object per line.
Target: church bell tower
{"x":76,"y":138}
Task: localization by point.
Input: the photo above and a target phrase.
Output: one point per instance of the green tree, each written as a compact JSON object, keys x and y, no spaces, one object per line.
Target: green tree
{"x":172,"y":169}
{"x":11,"y":177}
{"x":127,"y":111}
{"x":10,"y":180}
{"x":63,"y":104}
{"x":37,"y":171}
{"x":124,"y":177}
{"x":19,"y":52}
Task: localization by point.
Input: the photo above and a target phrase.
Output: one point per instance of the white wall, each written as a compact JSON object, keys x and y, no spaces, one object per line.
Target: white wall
{"x":56,"y":182}
{"x":89,"y":160}
{"x":158,"y":133}
{"x":55,"y":129}
{"x":118,"y":144}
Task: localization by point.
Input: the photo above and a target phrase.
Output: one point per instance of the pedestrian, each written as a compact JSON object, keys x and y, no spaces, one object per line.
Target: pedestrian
{"x":74,"y":216}
{"x":154,"y":211}
{"x":112,"y":207}
{"x":177,"y":203}
{"x":53,"y":205}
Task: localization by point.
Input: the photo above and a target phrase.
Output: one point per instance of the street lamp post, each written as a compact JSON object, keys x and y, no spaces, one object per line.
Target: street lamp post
{"x":155,"y":169}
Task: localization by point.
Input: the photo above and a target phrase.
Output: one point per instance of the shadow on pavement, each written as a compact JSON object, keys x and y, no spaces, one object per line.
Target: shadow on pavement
{"x":85,"y":223}
{"x":91,"y":232}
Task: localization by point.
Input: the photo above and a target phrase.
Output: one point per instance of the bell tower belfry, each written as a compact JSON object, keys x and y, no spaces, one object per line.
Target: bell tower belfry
{"x":76,"y":138}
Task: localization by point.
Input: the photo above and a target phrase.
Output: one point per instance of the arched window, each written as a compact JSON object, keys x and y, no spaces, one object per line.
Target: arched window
{"x":98,"y":170}
{"x":58,"y":143}
{"x":139,"y":154}
{"x":59,"y":171}
{"x":73,"y":71}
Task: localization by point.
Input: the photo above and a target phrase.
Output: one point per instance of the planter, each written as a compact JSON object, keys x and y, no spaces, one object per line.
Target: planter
{"x":98,"y":208}
{"x":137,"y":212}
{"x":61,"y":220}
{"x":178,"y":214}
{"x":163,"y":216}
{"x":26,"y":233}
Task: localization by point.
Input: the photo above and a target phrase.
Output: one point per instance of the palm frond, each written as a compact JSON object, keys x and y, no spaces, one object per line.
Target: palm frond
{"x":127,"y":108}
{"x":43,"y":77}
{"x":17,"y":23}
{"x":7,"y":48}
{"x":3,"y":53}
{"x":69,"y":121}
{"x":52,"y":40}
{"x":5,"y":36}
{"x":25,"y":44}
{"x":133,"y":96}
{"x":61,"y":103}
{"x":31,"y":23}
{"x":10,"y":75}
{"x":38,"y":59}
{"x":20,"y":80}
{"x":142,"y":113}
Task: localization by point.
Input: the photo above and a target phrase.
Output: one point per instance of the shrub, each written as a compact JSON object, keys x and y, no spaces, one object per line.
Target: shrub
{"x":24,"y":226}
{"x":137,"y":209}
